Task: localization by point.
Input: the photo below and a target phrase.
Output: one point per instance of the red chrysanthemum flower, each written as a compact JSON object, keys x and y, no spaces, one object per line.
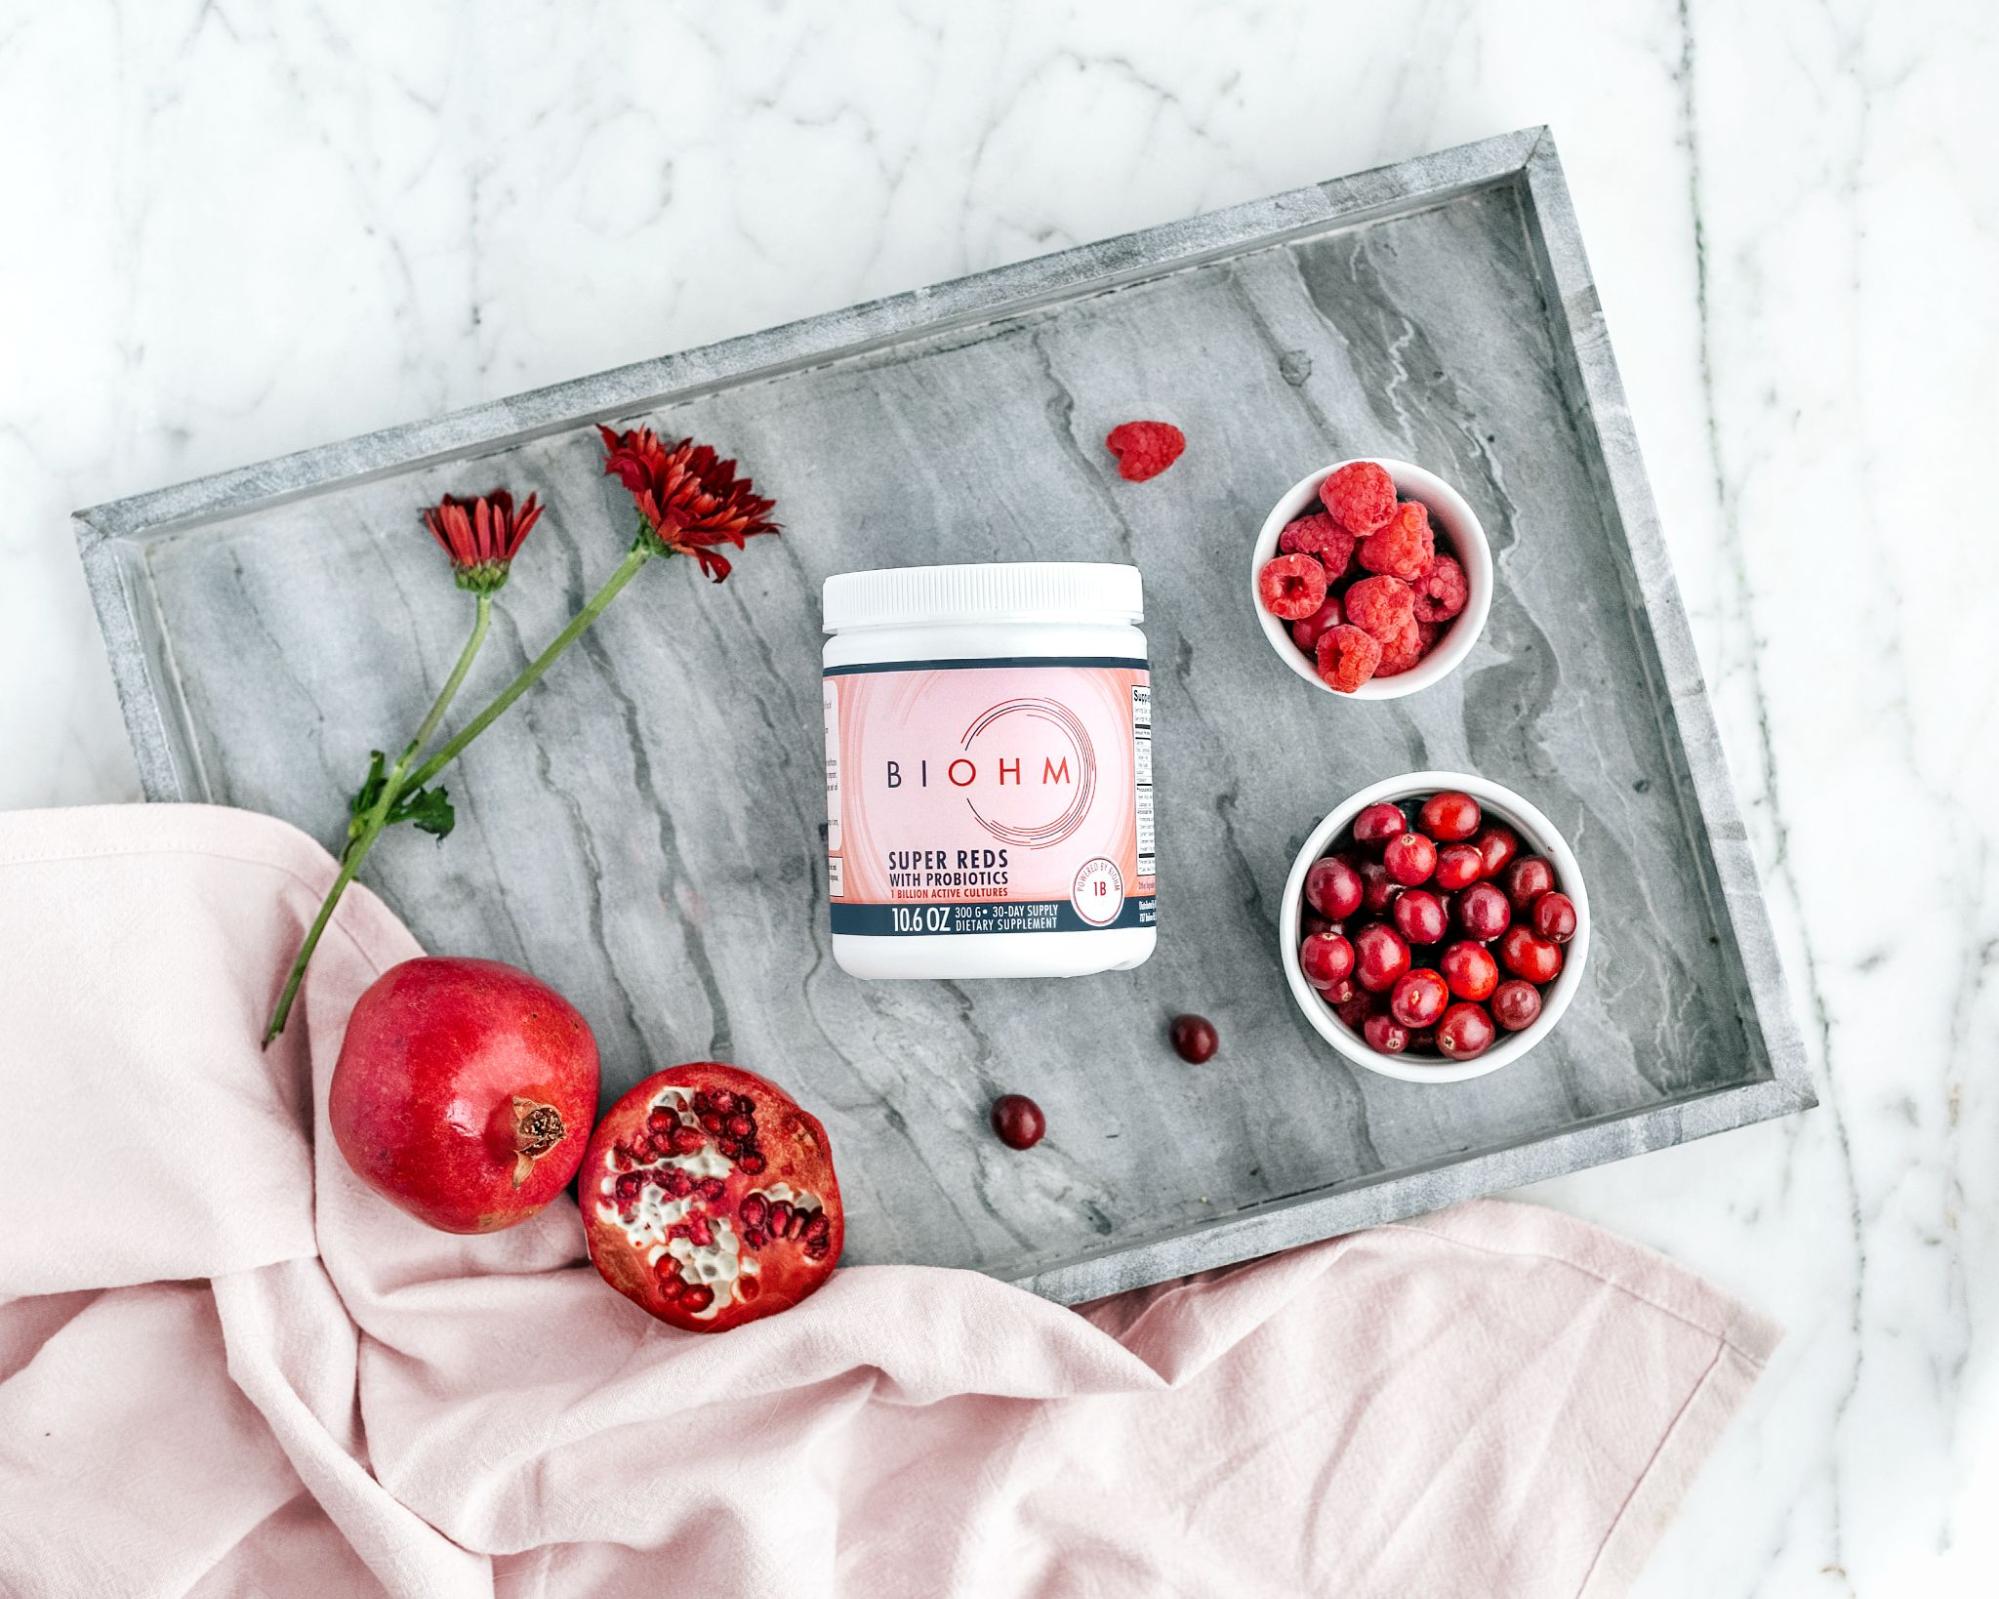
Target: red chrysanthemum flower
{"x":688,"y":500}
{"x":482,"y":536}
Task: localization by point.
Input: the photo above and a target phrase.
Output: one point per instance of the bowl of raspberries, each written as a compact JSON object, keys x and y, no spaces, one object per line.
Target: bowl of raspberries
{"x":1372,"y":578}
{"x":1434,"y":927}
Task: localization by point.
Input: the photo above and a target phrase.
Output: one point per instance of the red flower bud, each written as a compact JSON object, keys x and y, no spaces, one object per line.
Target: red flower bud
{"x":482,"y":536}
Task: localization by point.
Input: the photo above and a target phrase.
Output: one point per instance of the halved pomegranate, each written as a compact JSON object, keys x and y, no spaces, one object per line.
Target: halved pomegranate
{"x":464,"y":1092}
{"x":709,"y":1198}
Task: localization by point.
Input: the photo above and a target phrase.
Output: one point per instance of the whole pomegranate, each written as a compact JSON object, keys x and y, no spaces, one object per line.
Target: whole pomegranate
{"x":464,"y":1092}
{"x":709,"y":1198}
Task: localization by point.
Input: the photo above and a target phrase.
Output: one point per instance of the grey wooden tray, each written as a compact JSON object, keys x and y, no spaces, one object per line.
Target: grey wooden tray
{"x":645,"y":830}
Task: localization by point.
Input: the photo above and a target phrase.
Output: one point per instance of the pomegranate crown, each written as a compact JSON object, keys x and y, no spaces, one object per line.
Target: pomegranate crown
{"x":482,"y":535}
{"x":689,"y":500}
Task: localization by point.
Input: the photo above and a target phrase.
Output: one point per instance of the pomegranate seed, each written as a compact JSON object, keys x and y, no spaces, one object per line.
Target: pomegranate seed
{"x":678,"y":1182}
{"x":1410,"y":859}
{"x":1384,"y":1034}
{"x":661,"y":1121}
{"x":711,"y":1188}
{"x":1466,"y":1031}
{"x":1554,"y":917}
{"x":780,"y":1217}
{"x":1378,"y":823}
{"x":1525,"y":955}
{"x":698,"y":1231}
{"x":741,"y":1126}
{"x":1496,"y":846}
{"x":1419,"y":917}
{"x":820,"y":1233}
{"x":626,"y":1188}
{"x":1470,"y":970}
{"x":752,"y":1211}
{"x":1333,"y":888}
{"x":1419,"y":998}
{"x":1483,"y":912}
{"x":699,"y":1296}
{"x":1018,"y":1121}
{"x":1380,"y":957}
{"x":753,"y":1163}
{"x":1527,"y":879}
{"x":1195,"y":1039}
{"x":1516,"y":1004}
{"x":1459,"y":866}
{"x":685,"y":1139}
{"x":1450,"y":816}
{"x":1324,"y":958}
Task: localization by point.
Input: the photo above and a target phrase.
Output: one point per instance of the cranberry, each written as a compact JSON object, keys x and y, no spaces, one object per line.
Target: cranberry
{"x":1459,"y":866}
{"x":1515,"y":1004}
{"x":1496,"y":846}
{"x":1307,"y":632}
{"x":1018,"y":1121}
{"x":1483,"y":912}
{"x":1379,"y":890}
{"x":1334,"y":888}
{"x":1450,"y":816}
{"x":1384,"y":1034}
{"x":1525,"y":955}
{"x":1379,"y":823}
{"x":1470,"y":970}
{"x":1195,"y":1039}
{"x":1464,"y":1032}
{"x":1554,"y":917}
{"x":1310,"y":922}
{"x":1354,"y":1011}
{"x":1410,"y":859}
{"x":1341,"y":993}
{"x":1419,"y":917}
{"x":1380,"y":957}
{"x":1527,"y":879}
{"x":1325,"y":958}
{"x":1419,"y":998}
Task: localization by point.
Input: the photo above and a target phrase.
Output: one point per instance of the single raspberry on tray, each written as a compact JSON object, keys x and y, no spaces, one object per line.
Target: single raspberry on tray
{"x":1403,"y":651}
{"x":1442,"y":591}
{"x":1405,"y":548}
{"x":1347,"y":657}
{"x":1292,"y":587}
{"x":1360,"y":496}
{"x":1144,"y":449}
{"x":1318,"y":535}
{"x":1383,"y":606}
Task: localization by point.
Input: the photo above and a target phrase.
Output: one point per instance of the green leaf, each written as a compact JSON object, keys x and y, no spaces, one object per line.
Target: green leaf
{"x":429,"y":808}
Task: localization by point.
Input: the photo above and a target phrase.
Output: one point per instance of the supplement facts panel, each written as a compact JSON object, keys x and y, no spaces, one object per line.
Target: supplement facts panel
{"x":1141,"y":771}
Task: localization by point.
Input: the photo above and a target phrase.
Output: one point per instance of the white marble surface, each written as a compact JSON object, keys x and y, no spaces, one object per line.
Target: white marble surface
{"x":229,"y":230}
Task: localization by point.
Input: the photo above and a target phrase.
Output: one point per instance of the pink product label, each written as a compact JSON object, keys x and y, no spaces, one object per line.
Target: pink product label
{"x":982,"y":797}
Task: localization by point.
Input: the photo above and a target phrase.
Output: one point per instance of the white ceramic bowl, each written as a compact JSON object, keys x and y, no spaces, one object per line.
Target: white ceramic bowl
{"x":1537,"y":837}
{"x":1450,"y":514}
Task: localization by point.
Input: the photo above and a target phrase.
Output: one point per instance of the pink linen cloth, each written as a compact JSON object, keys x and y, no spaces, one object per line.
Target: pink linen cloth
{"x":227,"y":1368}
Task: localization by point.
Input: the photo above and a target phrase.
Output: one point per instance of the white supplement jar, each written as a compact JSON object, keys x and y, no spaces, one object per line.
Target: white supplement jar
{"x":989,"y":771}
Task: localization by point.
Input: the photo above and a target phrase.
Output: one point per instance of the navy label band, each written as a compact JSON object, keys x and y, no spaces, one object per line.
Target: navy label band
{"x":1002,"y":916}
{"x":992,"y":660}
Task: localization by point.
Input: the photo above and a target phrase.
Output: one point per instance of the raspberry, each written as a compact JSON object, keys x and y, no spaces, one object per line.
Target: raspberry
{"x":1319,"y":535}
{"x":1442,"y":591}
{"x":1144,"y":449}
{"x":1306,"y":633}
{"x":1347,"y":657}
{"x":1429,"y":633}
{"x":1405,"y":548}
{"x":1383,"y":606}
{"x":1360,"y":496}
{"x":1292,"y":587}
{"x":1403,"y":651}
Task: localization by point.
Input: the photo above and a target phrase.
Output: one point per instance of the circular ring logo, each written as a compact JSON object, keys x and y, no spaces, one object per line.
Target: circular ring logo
{"x":1082,"y":790}
{"x":1098,"y":894}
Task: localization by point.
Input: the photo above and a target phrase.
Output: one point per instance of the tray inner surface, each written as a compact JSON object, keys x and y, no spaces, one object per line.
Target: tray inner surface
{"x":645,"y":830}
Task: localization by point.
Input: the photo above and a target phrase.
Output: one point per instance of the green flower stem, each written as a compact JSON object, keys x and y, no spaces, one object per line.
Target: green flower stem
{"x":627,"y":569}
{"x":362,"y":835}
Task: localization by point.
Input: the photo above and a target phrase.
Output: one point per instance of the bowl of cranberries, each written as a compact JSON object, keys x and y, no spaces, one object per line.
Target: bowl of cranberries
{"x":1371,"y":578}
{"x":1434,"y":927}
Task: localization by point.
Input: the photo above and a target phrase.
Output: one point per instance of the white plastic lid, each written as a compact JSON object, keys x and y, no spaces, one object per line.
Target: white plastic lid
{"x":995,"y":591}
